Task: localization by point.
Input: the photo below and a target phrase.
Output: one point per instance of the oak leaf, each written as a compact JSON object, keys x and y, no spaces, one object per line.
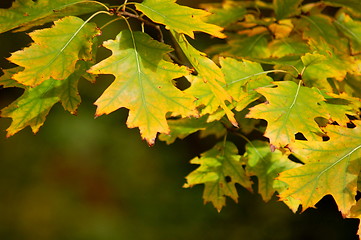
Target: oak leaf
{"x":55,"y":51}
{"x":206,"y":86}
{"x":143,"y":84}
{"x":242,"y":78}
{"x":183,"y":127}
{"x":220,"y":169}
{"x":25,"y":14}
{"x":331,"y":167}
{"x":266,"y":165}
{"x":179,"y":18}
{"x":290,"y":109}
{"x":34,"y":105}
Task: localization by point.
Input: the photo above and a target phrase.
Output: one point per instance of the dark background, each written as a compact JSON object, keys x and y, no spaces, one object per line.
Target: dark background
{"x":94,"y":179}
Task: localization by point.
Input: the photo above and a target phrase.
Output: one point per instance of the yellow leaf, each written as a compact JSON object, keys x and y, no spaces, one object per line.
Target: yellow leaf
{"x":179,"y":18}
{"x":143,"y":84}
{"x":55,"y":51}
{"x":331,"y":167}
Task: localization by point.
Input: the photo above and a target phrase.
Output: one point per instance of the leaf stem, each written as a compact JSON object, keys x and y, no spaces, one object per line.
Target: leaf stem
{"x":144,"y":21}
{"x":110,"y":22}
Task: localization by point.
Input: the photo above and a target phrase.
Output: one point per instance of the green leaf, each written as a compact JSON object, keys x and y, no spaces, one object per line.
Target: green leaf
{"x":220,"y":169}
{"x":246,"y":125}
{"x":286,"y":8}
{"x":331,"y":167}
{"x":340,"y":105}
{"x":353,"y":86}
{"x":34,"y":105}
{"x":289,"y":109}
{"x":242,"y":78}
{"x":254,"y":46}
{"x":207,"y":85}
{"x":25,"y":14}
{"x":179,"y":18}
{"x":352,"y":29}
{"x":143,"y":84}
{"x":224,"y":14}
{"x":325,"y":63}
{"x":6,"y":80}
{"x":319,"y":28}
{"x":351,"y":5}
{"x":266,"y":165}
{"x":288,"y":46}
{"x":55,"y":51}
{"x":181,"y":128}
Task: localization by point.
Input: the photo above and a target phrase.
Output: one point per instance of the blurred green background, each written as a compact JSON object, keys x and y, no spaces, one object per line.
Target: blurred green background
{"x":82,"y":178}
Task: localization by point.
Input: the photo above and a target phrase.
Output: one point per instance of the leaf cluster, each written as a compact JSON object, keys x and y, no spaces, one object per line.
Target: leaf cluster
{"x":287,"y":69}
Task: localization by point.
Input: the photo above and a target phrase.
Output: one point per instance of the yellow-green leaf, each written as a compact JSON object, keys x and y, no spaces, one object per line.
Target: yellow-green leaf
{"x":331,"y":167}
{"x":352,"y":29}
{"x":55,"y":51}
{"x":143,"y":84}
{"x":266,"y":165}
{"x":179,"y":18}
{"x":287,"y":46}
{"x":325,"y":63}
{"x":25,"y":14}
{"x":319,"y":27}
{"x":225,"y":13}
{"x":220,"y":169}
{"x":290,"y":109}
{"x":34,"y":105}
{"x":6,"y":79}
{"x":242,"y":78}
{"x":286,"y":8}
{"x":183,"y":127}
{"x":207,"y":85}
{"x":255,"y":46}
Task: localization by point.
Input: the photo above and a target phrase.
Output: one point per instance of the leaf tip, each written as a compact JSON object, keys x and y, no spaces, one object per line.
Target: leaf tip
{"x":150,"y":142}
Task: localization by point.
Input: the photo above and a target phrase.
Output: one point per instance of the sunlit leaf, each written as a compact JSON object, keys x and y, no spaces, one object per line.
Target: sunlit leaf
{"x":34,"y":105}
{"x":242,"y":78}
{"x":207,"y":85}
{"x":288,"y":46}
{"x":319,"y":28}
{"x":55,"y":51}
{"x":289,"y":109}
{"x":220,"y":169}
{"x":6,"y":80}
{"x":325,"y":63}
{"x":143,"y":84}
{"x":25,"y":14}
{"x":266,"y":165}
{"x":331,"y":167}
{"x":225,"y":13}
{"x":179,"y":18}
{"x":181,"y":128}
